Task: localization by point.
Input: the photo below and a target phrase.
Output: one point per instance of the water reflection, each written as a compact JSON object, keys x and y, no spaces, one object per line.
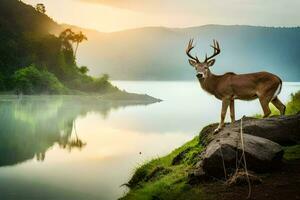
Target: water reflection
{"x":105,"y":138}
{"x":32,"y":125}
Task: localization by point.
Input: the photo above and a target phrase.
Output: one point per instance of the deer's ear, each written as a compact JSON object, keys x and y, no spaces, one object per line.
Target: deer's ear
{"x":211,"y":62}
{"x":192,"y":62}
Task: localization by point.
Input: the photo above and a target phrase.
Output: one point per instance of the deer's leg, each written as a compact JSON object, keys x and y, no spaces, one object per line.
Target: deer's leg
{"x":279,"y":105}
{"x":225,"y":104}
{"x":232,"y":114}
{"x":264,"y":102}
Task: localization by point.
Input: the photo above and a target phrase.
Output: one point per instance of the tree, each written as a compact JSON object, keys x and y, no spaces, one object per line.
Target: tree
{"x":68,"y":38}
{"x":40,"y":8}
{"x":83,"y":69}
{"x":78,"y":38}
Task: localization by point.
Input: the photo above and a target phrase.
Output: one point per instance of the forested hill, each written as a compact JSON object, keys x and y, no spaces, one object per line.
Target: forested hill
{"x":34,"y":61}
{"x":24,"y":36}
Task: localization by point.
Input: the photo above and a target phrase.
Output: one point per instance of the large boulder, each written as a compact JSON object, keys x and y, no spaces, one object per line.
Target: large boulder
{"x":284,"y":130}
{"x":225,"y":150}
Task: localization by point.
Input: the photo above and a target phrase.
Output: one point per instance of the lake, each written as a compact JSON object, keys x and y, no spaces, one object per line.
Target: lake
{"x":66,"y":147}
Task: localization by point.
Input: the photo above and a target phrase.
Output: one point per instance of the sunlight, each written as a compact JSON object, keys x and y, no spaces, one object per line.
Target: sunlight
{"x":149,"y":99}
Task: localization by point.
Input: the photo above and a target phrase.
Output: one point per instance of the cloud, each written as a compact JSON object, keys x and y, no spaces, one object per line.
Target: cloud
{"x":152,"y":6}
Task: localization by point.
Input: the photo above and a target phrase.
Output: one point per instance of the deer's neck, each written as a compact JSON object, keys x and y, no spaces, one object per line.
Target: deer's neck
{"x":209,"y":84}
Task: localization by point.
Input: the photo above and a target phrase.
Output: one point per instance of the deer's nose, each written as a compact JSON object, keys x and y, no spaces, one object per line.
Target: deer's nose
{"x":199,"y":75}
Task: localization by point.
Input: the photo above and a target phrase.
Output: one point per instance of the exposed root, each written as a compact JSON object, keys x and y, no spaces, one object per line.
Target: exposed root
{"x":245,"y":163}
{"x":240,"y":177}
{"x":241,"y":174}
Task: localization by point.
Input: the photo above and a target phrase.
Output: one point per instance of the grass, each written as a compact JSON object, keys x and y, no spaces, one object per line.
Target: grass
{"x":166,"y":177}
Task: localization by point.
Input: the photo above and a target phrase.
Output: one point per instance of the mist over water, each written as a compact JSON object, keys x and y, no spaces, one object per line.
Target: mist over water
{"x":68,"y":147}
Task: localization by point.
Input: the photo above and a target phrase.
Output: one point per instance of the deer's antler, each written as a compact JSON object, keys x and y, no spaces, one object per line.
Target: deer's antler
{"x":189,"y":48}
{"x":217,"y":50}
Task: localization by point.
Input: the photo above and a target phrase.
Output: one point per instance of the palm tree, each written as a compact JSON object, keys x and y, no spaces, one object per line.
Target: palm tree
{"x":67,"y":36}
{"x":78,"y":38}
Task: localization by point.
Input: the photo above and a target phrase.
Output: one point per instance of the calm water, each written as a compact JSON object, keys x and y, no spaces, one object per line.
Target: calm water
{"x":65,"y":148}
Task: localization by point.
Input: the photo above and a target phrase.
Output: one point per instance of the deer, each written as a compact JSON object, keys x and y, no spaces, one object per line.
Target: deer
{"x":230,"y":86}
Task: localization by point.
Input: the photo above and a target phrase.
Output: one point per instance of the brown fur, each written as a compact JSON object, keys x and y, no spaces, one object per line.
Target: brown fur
{"x":230,"y":86}
{"x":241,"y":86}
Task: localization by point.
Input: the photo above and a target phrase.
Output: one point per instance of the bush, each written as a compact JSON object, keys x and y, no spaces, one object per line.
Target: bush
{"x":83,"y":69}
{"x":88,"y":84}
{"x":30,"y":80}
{"x":293,"y":106}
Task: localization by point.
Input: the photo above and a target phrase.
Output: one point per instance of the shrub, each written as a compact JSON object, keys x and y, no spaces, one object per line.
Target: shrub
{"x":293,"y":106}
{"x":30,"y":80}
{"x":83,"y":69}
{"x":86,"y":83}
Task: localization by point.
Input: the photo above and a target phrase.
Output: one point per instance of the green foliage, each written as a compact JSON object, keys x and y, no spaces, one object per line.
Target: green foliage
{"x":83,"y":69}
{"x":30,"y":80}
{"x":23,"y":36}
{"x":25,"y":40}
{"x":293,"y":106}
{"x":162,"y":179}
{"x":89,"y":84}
{"x":40,"y":8}
{"x":292,"y":153}
{"x":68,"y":37}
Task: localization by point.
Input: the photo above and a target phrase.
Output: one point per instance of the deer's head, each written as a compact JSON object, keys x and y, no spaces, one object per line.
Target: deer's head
{"x":202,"y":68}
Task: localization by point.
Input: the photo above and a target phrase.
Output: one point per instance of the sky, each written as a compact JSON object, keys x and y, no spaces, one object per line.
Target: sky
{"x":115,"y":15}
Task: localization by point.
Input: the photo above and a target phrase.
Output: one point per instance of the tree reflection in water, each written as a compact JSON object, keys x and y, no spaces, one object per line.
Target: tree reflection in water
{"x":72,"y":143}
{"x":33,"y":124}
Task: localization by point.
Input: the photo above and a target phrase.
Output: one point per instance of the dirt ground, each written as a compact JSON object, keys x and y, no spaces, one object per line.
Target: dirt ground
{"x":281,"y":184}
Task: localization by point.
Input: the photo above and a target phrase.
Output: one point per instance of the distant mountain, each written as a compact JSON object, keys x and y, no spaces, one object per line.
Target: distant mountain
{"x":157,"y":53}
{"x":152,"y":53}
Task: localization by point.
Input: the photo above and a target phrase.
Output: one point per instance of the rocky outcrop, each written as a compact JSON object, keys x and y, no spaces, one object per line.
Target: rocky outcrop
{"x":284,"y":130}
{"x":261,"y":137}
{"x":224,"y":153}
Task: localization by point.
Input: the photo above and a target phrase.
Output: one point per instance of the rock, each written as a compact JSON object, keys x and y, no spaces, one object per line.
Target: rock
{"x":207,"y":134}
{"x":261,"y":154}
{"x":284,"y":130}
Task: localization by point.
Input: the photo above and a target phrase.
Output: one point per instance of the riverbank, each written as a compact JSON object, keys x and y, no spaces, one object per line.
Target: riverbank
{"x":121,"y":97}
{"x":169,"y":177}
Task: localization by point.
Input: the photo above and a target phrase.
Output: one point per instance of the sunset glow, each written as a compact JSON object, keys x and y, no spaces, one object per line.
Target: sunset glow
{"x":107,"y":15}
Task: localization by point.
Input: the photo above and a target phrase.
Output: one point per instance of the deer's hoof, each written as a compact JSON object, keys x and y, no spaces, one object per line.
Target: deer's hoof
{"x":220,"y":127}
{"x":217,"y":130}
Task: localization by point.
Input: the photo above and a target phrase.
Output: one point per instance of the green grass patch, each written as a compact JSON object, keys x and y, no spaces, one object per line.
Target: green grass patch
{"x":166,"y":177}
{"x":292,"y":152}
